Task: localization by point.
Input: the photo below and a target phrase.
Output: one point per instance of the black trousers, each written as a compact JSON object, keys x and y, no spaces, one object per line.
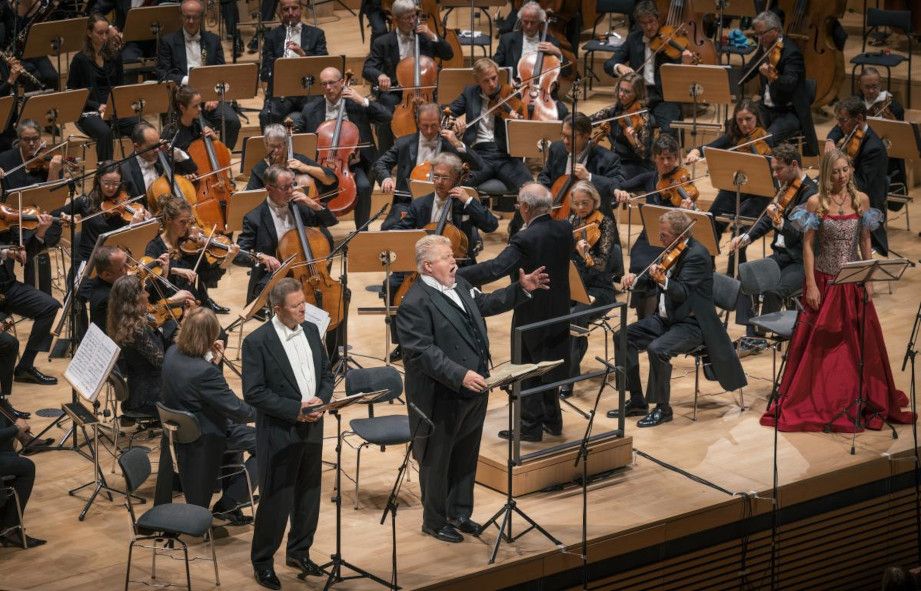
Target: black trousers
{"x":663,"y":112}
{"x":661,"y":340}
{"x":199,"y":465}
{"x":231,"y":121}
{"x":543,"y":408}
{"x":276,"y":109}
{"x":750,"y":206}
{"x":383,"y":130}
{"x":579,"y":345}
{"x":289,"y":488}
{"x":781,"y":123}
{"x":27,"y":301}
{"x":448,"y":458}
{"x":13,"y":464}
{"x":104,"y":133}
{"x":9,"y":348}
{"x":499,"y":165}
{"x":363,"y":203}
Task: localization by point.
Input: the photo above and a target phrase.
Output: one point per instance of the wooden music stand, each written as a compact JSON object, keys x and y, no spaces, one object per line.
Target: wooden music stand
{"x":731,"y":170}
{"x":902,"y":139}
{"x":254,"y":148}
{"x":6,"y":110}
{"x":241,"y":203}
{"x":451,"y":82}
{"x":738,"y":8}
{"x":702,"y":231}
{"x":225,"y":82}
{"x":45,"y":197}
{"x":55,"y":38}
{"x":56,"y":108}
{"x":132,"y":239}
{"x":684,"y":83}
{"x":531,"y":139}
{"x":139,"y":99}
{"x":577,"y":292}
{"x":152,"y":22}
{"x":300,"y":76}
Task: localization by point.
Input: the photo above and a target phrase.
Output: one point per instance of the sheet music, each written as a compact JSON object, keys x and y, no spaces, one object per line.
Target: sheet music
{"x":92,"y":362}
{"x":318,"y":316}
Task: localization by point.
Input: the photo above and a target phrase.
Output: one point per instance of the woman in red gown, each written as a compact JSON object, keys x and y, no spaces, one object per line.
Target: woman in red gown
{"x":818,"y":391}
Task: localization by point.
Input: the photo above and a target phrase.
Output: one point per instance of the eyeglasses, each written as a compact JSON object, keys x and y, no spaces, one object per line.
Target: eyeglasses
{"x":110,"y":183}
{"x":30,"y":140}
{"x":191,"y":17}
{"x":442,"y":177}
{"x":284,"y":188}
{"x":329,"y":83}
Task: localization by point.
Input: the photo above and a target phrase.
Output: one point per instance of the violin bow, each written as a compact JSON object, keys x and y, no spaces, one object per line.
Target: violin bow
{"x":201,"y":255}
{"x":678,"y":238}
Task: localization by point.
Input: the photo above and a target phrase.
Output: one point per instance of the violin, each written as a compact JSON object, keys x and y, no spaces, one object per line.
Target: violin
{"x":212,"y":158}
{"x":217,"y":247}
{"x":590,"y":231}
{"x":540,"y":72}
{"x":755,"y":141}
{"x":418,"y":76}
{"x":677,"y":186}
{"x":337,"y":142}
{"x":850,"y":144}
{"x":670,"y":255}
{"x":635,"y":118}
{"x":882,"y":110}
{"x":504,"y":103}
{"x":162,"y":311}
{"x":10,"y":216}
{"x":784,"y":198}
{"x":147,"y":267}
{"x":120,"y":205}
{"x":672,"y":43}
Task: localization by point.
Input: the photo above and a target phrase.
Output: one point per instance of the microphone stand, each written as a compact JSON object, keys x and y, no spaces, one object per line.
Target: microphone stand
{"x":910,"y":354}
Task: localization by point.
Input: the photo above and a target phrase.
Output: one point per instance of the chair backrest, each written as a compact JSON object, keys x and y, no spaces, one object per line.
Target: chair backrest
{"x":135,"y":467}
{"x":119,"y":386}
{"x":897,"y":19}
{"x":372,"y":379}
{"x":759,"y":276}
{"x":725,"y":291}
{"x":182,"y":424}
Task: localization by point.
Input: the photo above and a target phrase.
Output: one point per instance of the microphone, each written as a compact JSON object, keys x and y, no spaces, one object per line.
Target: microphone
{"x":422,"y":416}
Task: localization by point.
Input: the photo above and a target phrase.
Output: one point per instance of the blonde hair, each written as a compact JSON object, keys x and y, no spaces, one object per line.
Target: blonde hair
{"x":589,"y":189}
{"x":825,"y":183}
{"x":482,"y":66}
{"x":199,"y":330}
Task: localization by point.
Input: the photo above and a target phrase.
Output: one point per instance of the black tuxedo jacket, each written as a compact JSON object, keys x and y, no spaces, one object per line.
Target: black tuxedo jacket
{"x":470,"y":103}
{"x":313,"y":42}
{"x":602,"y":163}
{"x":633,"y":53}
{"x":259,"y":235}
{"x":314,"y":114}
{"x":171,"y":61}
{"x":197,"y":386}
{"x":403,"y":154}
{"x":870,"y":169}
{"x":509,"y":50}
{"x":792,"y":238}
{"x":546,"y":242}
{"x":134,"y":178}
{"x":690,"y":295}
{"x":468,"y":219}
{"x":385,"y":55}
{"x":269,"y":385}
{"x":790,"y":88}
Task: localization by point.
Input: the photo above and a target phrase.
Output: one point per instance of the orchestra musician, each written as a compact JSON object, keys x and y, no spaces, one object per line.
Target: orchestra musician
{"x":132,"y":51}
{"x":785,"y":106}
{"x":140,"y":171}
{"x":787,"y":245}
{"x":543,"y":242}
{"x":30,"y":144}
{"x":487,"y":137}
{"x":635,"y":51}
{"x":275,"y":140}
{"x":285,"y":372}
{"x":389,"y":49}
{"x":187,"y":128}
{"x":394,"y":167}
{"x":40,"y":67}
{"x":598,"y":259}
{"x":685,"y":318}
{"x":98,"y":68}
{"x":191,"y":47}
{"x":22,"y":469}
{"x":292,"y":38}
{"x":442,"y":329}
{"x":631,"y":142}
{"x":358,"y":110}
{"x":193,"y":382}
{"x":515,"y":44}
{"x":868,"y":159}
{"x":666,"y":156}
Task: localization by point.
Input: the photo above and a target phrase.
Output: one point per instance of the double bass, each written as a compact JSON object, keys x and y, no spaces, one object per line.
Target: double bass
{"x":680,"y":15}
{"x":811,"y":24}
{"x":418,"y":73}
{"x":337,"y":142}
{"x":540,"y":72}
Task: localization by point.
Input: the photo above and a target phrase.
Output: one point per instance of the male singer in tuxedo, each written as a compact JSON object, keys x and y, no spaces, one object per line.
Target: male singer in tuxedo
{"x":542,"y":242}
{"x":286,"y":371}
{"x":140,"y":171}
{"x":192,"y":47}
{"x":291,"y":38}
{"x":441,"y":327}
{"x":685,"y":319}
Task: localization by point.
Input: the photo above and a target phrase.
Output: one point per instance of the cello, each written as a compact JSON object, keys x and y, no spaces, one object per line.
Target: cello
{"x":337,"y":141}
{"x":562,"y":187}
{"x":540,"y":72}
{"x":418,"y":73}
{"x":310,"y":248}
{"x":213,"y":161}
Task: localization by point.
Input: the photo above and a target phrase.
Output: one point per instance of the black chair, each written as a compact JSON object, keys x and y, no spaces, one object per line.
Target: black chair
{"x":481,"y":41}
{"x":144,"y":422}
{"x":603,"y":8}
{"x":896,"y":20}
{"x":496,"y":193}
{"x":8,"y":494}
{"x":725,"y":295}
{"x":382,"y":431}
{"x":162,"y":523}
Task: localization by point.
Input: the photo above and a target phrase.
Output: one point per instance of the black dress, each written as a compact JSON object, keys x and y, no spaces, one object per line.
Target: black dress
{"x":208,"y":274}
{"x":141,"y":362}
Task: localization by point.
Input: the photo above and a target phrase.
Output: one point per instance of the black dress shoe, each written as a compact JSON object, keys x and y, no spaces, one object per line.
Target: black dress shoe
{"x":307,"y":566}
{"x":37,"y":446}
{"x":466,"y":525}
{"x":396,"y":354}
{"x":267,"y":578}
{"x":20,"y":414}
{"x":630,"y":410}
{"x":659,"y":415}
{"x":33,"y":376}
{"x":555,"y":430}
{"x":217,"y":308}
{"x":14,"y":540}
{"x":565,"y":392}
{"x":253,"y":45}
{"x":525,"y":436}
{"x":237,"y":47}
{"x":445,"y":534}
{"x":233,"y":517}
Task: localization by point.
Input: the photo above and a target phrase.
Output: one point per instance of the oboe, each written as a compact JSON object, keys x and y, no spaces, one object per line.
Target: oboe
{"x":10,"y":60}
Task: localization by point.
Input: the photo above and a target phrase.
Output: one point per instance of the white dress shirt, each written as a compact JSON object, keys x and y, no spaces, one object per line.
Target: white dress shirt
{"x":448,"y":291}
{"x":332,"y":110}
{"x":581,"y":159}
{"x":486,"y":128}
{"x":148,"y":170}
{"x":428,"y":149}
{"x":300,"y":357}
{"x":406,"y":44}
{"x":292,"y":33}
{"x":281,"y":217}
{"x":192,"y":53}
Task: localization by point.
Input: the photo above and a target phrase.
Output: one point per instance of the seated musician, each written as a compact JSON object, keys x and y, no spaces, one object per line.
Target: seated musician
{"x":868,"y":159}
{"x":388,"y":50}
{"x":632,"y":143}
{"x":191,"y":47}
{"x":358,"y":110}
{"x":787,"y":245}
{"x":132,"y":51}
{"x":599,"y":260}
{"x":275,"y":139}
{"x":187,"y":128}
{"x":742,"y":129}
{"x":785,"y":107}
{"x":139,"y":172}
{"x":40,"y":67}
{"x":418,"y":148}
{"x":685,"y":318}
{"x":594,"y":164}
{"x":30,"y":146}
{"x":487,"y":137}
{"x":879,"y":103}
{"x":177,"y":224}
{"x":666,"y":155}
{"x":291,"y":38}
{"x":515,"y":44}
{"x":193,"y":382}
{"x":98,"y":68}
{"x":377,"y":18}
{"x":22,"y":469}
{"x":635,"y":51}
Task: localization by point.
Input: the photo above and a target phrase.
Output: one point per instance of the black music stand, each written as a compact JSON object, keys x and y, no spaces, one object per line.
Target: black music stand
{"x":300,"y":76}
{"x":55,"y":38}
{"x":861,"y":273}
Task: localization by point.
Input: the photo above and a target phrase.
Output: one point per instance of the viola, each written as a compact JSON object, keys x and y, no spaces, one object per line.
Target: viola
{"x":755,"y":142}
{"x":882,"y":109}
{"x":785,"y":197}
{"x":9,"y":216}
{"x":418,"y":76}
{"x":337,"y":142}
{"x":671,"y":43}
{"x":120,"y":205}
{"x":677,"y":186}
{"x":163,"y":311}
{"x":850,"y":144}
{"x":636,"y":118}
{"x":539,"y":71}
{"x":590,"y":231}
{"x":217,"y":247}
{"x":212,"y":158}
{"x":504,"y":103}
{"x":670,"y":255}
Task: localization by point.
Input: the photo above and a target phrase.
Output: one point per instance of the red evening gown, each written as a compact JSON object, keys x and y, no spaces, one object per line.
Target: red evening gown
{"x":818,"y":390}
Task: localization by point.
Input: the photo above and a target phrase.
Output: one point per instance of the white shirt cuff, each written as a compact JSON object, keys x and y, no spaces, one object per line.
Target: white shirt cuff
{"x":185,"y":80}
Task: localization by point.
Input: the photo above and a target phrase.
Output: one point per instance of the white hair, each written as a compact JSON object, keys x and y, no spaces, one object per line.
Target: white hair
{"x":426,"y":246}
{"x":770,"y":19}
{"x":274,"y":131}
{"x":536,"y":196}
{"x":529,"y":6}
{"x":401,"y":7}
